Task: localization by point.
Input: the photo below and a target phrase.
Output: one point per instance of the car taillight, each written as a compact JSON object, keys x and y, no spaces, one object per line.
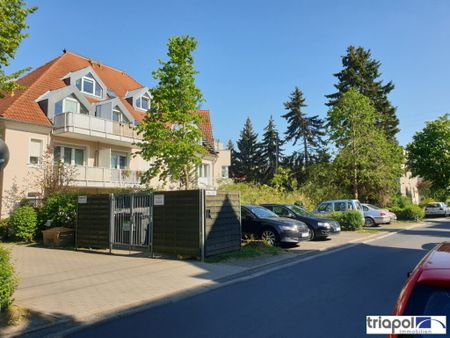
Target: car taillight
{"x":383,"y":214}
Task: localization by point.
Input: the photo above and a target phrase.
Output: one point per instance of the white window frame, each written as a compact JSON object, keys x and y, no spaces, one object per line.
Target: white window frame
{"x":72,"y":155}
{"x":123,"y":154}
{"x":204,"y":170}
{"x":73,"y":100}
{"x":122,"y":117}
{"x":94,"y":86}
{"x":139,"y":99}
{"x":227,"y":168}
{"x":40,"y":152}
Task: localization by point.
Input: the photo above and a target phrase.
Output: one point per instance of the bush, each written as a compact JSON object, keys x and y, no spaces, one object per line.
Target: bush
{"x":408,"y":213}
{"x":23,"y":223}
{"x":349,"y":220}
{"x":259,"y":194}
{"x":60,"y":209}
{"x":4,"y":229}
{"x":8,"y":281}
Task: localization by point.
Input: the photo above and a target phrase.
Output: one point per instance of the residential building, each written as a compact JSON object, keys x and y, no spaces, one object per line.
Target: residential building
{"x":409,"y":187}
{"x":85,"y":112}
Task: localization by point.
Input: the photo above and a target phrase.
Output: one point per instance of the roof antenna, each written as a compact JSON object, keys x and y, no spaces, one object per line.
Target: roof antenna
{"x":64,"y":50}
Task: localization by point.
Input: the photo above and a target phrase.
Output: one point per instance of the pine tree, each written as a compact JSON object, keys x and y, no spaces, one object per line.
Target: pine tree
{"x":248,"y":158}
{"x":232,"y":169}
{"x":361,"y":72}
{"x":309,"y":130}
{"x":271,"y":150}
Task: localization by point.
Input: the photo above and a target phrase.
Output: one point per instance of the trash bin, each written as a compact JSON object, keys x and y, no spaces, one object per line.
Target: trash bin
{"x":59,"y":237}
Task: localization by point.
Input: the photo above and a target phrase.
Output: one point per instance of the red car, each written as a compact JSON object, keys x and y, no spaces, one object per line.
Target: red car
{"x":427,"y":291}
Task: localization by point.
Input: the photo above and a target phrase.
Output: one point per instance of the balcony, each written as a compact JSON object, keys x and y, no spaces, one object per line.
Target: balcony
{"x":106,"y":177}
{"x":84,"y":126}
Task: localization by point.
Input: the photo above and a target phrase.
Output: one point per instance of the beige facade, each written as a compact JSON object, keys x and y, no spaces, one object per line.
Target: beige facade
{"x":100,"y":164}
{"x":408,"y":187}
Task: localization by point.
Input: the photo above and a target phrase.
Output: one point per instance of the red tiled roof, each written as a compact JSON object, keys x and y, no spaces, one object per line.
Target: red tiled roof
{"x":22,"y":106}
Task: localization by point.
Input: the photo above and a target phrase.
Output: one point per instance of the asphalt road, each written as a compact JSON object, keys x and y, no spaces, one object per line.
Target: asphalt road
{"x":328,"y":296}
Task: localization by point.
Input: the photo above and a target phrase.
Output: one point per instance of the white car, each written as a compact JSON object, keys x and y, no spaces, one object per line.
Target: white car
{"x":374,"y":215}
{"x":437,"y":209}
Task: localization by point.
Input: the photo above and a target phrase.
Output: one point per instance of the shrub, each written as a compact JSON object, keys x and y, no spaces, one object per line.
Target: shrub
{"x":408,"y":213}
{"x":23,"y":223}
{"x":60,"y":209}
{"x":349,"y":220}
{"x":4,"y":229}
{"x":8,"y":281}
{"x":259,"y":194}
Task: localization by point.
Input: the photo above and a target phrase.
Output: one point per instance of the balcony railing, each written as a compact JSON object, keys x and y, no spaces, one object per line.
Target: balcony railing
{"x":106,"y":177}
{"x":94,"y":126}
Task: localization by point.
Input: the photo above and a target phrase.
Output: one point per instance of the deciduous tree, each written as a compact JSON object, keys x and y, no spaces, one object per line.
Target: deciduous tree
{"x":367,"y":163}
{"x":429,"y":155}
{"x":171,"y":134}
{"x":13,"y":15}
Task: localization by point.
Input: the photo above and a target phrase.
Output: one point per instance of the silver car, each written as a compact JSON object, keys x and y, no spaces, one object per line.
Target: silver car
{"x":437,"y":209}
{"x":326,"y":207}
{"x":374,"y":215}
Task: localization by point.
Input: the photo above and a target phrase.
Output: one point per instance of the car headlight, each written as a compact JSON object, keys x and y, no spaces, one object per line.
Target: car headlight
{"x":289,"y":227}
{"x":324,"y":224}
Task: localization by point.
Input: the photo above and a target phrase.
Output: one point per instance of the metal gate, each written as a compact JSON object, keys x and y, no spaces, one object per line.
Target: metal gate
{"x":132,"y":221}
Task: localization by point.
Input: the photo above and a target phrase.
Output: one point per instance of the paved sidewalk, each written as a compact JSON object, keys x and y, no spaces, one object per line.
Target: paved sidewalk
{"x":82,"y":287}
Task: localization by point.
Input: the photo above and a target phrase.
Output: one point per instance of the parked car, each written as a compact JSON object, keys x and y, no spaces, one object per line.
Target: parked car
{"x":268,"y":226}
{"x":427,"y":290}
{"x":374,"y":215}
{"x":327,"y":207}
{"x":319,"y":228}
{"x":437,"y":209}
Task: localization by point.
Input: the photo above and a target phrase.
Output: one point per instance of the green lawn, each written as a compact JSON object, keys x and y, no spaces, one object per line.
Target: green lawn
{"x":248,"y":249}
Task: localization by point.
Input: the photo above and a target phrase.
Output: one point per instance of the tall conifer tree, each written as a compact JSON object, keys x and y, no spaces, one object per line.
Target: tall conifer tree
{"x":248,"y":159}
{"x":361,"y":72}
{"x":271,"y":150}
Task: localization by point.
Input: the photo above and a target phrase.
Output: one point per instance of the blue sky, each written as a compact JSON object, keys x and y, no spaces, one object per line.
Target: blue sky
{"x":251,"y":54}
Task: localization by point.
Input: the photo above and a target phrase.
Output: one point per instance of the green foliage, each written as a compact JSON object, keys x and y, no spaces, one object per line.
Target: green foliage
{"x":8,"y":280}
{"x":367,"y":163}
{"x":308,"y":130}
{"x":408,"y":212}
{"x":170,"y":130}
{"x":60,"y":209}
{"x":400,"y":201}
{"x":350,"y":220}
{"x":4,"y":229}
{"x":283,"y":180}
{"x":259,"y":194}
{"x":248,"y":249}
{"x":429,"y":155}
{"x":271,"y":150}
{"x":322,"y":184}
{"x":23,"y":223}
{"x":361,"y":72}
{"x":248,"y":161}
{"x":13,"y":15}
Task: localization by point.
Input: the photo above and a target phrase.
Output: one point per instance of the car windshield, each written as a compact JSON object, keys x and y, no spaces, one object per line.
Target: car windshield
{"x":261,"y":212}
{"x":299,"y":211}
{"x":373,"y":207}
{"x":433,"y":205}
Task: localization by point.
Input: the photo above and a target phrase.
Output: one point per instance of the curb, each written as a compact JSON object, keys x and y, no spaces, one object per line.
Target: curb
{"x":235,"y":278}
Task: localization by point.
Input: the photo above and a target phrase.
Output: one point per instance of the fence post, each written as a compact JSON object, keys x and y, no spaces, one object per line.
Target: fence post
{"x":202,"y":224}
{"x":151,"y":225}
{"x":111,"y":221}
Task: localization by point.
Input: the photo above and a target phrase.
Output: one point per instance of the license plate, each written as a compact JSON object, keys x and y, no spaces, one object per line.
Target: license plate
{"x":305,"y":234}
{"x":338,"y":229}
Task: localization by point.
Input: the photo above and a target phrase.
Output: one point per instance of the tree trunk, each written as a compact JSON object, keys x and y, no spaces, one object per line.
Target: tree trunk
{"x":186,"y":179}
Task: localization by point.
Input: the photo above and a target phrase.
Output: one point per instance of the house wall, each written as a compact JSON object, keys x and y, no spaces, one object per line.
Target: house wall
{"x":408,"y":187}
{"x":18,"y":175}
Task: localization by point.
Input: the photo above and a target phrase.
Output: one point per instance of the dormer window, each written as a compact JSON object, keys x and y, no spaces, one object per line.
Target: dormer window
{"x":87,"y":84}
{"x":118,"y":116}
{"x":143,"y":102}
{"x":69,"y":105}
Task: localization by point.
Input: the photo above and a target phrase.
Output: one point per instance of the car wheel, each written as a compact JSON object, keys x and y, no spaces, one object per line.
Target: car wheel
{"x":312,"y":234}
{"x":369,"y":222}
{"x":270,"y":237}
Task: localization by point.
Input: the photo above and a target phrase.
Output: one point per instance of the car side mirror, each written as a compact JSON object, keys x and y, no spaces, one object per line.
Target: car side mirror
{"x":409,"y":274}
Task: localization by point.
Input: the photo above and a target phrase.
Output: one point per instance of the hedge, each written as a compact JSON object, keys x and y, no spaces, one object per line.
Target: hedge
{"x":349,"y":220}
{"x":60,"y":209}
{"x":8,"y":281}
{"x":23,"y":223}
{"x":408,"y":213}
{"x":4,"y":229}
